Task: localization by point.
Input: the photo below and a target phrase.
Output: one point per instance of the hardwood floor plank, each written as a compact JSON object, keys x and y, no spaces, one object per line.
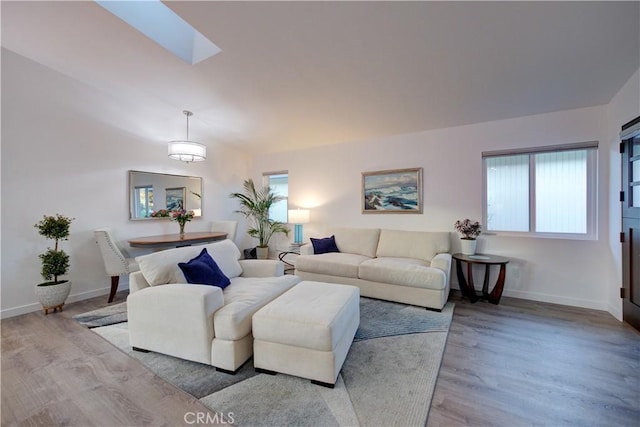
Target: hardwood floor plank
{"x":57,"y":372}
{"x":529,"y":363}
{"x":59,"y":413}
{"x":520,"y":363}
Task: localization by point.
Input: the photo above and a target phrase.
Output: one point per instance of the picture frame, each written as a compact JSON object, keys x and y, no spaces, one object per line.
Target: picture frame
{"x":175,"y":198}
{"x":397,"y":191}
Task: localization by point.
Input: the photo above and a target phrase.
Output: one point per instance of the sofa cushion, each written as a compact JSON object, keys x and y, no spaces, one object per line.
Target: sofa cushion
{"x":242,"y":298}
{"x":203,"y":270}
{"x":226,"y":254}
{"x":404,"y":272}
{"x":325,"y":245}
{"x":332,"y":264}
{"x":312,"y":315}
{"x":160,"y":268}
{"x":360,"y":241}
{"x":412,"y":244}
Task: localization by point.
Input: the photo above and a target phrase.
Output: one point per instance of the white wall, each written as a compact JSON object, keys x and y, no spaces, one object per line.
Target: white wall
{"x":64,"y":151}
{"x":328,"y":180}
{"x":624,"y":107}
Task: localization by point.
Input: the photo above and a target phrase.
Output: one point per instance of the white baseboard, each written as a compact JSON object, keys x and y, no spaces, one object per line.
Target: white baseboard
{"x":29,"y":308}
{"x":17,"y":311}
{"x":554,"y":299}
{"x":615,"y":311}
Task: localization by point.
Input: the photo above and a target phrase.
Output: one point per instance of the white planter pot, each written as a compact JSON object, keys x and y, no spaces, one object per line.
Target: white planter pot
{"x":468,"y":246}
{"x":52,"y":297}
{"x":262,"y":252}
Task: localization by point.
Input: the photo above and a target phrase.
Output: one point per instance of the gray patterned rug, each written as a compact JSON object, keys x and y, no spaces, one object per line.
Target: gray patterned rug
{"x":387,"y":379}
{"x":385,"y":319}
{"x":109,"y":315}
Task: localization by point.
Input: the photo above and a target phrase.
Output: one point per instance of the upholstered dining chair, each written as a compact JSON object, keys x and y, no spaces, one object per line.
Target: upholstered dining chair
{"x":116,"y":260}
{"x":229,"y":227}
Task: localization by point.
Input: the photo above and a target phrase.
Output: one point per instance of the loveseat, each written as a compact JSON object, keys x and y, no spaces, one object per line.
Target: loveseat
{"x":409,"y":267}
{"x":196,"y":322}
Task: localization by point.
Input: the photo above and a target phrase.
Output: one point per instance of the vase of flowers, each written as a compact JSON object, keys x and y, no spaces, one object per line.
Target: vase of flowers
{"x":182,"y":216}
{"x":162,"y":213}
{"x":468,"y":231}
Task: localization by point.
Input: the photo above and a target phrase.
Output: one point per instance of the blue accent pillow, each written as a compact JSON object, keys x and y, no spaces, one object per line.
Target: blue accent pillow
{"x":203,"y":270}
{"x":323,"y":246}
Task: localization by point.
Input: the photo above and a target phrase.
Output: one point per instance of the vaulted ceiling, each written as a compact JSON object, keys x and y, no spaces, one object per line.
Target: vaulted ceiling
{"x":301,"y":74}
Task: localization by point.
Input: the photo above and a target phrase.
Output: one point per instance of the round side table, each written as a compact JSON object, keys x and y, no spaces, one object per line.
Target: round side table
{"x":468,"y":289}
{"x":294,"y":249}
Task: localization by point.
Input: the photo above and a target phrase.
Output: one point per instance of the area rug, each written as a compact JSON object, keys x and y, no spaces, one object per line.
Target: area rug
{"x":109,"y":315}
{"x":388,"y":377}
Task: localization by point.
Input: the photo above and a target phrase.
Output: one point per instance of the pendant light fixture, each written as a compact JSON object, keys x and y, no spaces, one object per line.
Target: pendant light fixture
{"x":185,"y":150}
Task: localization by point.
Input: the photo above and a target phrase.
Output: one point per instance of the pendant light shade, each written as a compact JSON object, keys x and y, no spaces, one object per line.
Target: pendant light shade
{"x":185,"y":150}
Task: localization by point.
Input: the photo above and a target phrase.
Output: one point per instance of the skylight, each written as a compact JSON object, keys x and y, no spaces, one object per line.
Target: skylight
{"x":156,"y":21}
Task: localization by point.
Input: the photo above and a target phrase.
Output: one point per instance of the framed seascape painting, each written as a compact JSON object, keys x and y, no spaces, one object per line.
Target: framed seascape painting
{"x":175,"y":198}
{"x":392,"y":191}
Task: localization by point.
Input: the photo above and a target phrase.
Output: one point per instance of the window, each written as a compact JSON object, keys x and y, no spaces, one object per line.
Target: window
{"x":143,"y":203}
{"x":279,"y":183}
{"x":545,"y":191}
{"x":161,"y":24}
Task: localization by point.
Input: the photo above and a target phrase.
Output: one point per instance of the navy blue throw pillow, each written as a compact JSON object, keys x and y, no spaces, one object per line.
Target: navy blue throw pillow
{"x":203,"y":270}
{"x":323,"y":246}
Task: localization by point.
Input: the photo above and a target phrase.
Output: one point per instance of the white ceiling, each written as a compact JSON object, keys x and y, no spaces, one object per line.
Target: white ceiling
{"x":302,"y":74}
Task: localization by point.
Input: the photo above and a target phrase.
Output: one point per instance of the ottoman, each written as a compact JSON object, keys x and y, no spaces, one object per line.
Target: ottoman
{"x":307,"y":331}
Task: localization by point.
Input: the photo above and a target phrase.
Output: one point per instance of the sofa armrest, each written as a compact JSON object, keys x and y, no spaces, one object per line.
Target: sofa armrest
{"x":174,"y":319}
{"x":137,"y":282}
{"x":442,"y":262}
{"x":261,"y":268}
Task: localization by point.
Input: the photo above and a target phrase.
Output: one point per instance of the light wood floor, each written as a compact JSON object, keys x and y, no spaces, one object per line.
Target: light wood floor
{"x":525,"y":363}
{"x":517,"y":364}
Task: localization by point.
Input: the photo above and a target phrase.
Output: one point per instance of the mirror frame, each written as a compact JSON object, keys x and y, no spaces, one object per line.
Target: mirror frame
{"x":175,"y":185}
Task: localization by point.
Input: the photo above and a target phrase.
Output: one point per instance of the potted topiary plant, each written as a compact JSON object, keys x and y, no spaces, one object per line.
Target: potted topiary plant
{"x":55,"y":263}
{"x":255,"y":205}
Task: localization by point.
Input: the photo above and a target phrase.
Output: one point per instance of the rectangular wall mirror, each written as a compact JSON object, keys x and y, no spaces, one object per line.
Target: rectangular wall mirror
{"x":151,"y":192}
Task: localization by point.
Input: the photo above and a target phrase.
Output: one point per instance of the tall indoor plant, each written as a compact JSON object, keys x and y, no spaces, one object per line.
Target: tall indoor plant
{"x":254,"y":205}
{"x":55,"y":263}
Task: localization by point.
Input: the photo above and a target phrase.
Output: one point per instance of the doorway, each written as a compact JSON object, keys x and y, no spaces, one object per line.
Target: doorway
{"x":630,"y":198}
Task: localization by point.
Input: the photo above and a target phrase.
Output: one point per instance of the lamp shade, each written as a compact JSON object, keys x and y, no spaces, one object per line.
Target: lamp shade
{"x":298,"y":216}
{"x":187,"y":151}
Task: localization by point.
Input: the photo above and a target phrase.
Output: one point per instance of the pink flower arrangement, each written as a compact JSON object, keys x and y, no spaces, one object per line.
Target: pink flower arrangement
{"x":161,"y":213}
{"x":182,"y":216}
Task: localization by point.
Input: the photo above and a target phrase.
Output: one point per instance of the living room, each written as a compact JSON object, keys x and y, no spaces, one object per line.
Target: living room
{"x":73,"y":127}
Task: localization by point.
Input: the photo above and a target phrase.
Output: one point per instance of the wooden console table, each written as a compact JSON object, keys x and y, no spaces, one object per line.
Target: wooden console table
{"x":468,"y":289}
{"x":177,"y":240}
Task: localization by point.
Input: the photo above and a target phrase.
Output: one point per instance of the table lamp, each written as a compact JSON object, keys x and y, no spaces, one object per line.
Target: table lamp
{"x":298,"y":217}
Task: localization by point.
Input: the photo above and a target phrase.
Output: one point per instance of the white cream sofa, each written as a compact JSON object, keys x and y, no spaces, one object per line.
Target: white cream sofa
{"x":201,"y":323}
{"x":410,"y":267}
